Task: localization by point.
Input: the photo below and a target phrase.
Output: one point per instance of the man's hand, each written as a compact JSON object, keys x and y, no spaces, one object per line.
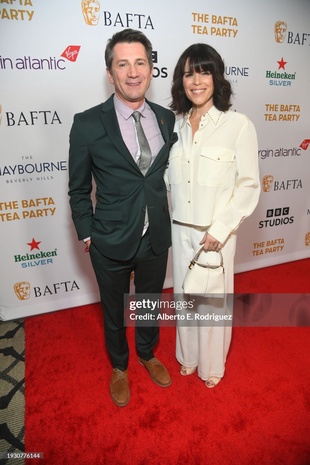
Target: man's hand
{"x":87,"y":245}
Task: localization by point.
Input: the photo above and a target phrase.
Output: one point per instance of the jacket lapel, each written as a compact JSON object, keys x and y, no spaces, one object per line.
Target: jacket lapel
{"x":164,"y":129}
{"x":109,"y":120}
{"x":162,"y":123}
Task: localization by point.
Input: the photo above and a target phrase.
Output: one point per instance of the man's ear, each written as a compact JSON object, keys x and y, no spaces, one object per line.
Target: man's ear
{"x":110,"y":77}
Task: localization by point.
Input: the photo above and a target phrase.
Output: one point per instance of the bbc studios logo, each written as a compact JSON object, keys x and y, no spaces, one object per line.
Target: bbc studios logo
{"x":276,"y":217}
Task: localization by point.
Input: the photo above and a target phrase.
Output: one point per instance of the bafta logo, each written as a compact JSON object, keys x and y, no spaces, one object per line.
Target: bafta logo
{"x":91,"y":12}
{"x":280,"y":29}
{"x":307,"y":239}
{"x":22,"y":290}
{"x":267,"y":182}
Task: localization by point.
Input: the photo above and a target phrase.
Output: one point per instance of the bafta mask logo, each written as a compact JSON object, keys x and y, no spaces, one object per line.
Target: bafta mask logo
{"x":307,"y":239}
{"x":91,"y":12}
{"x":280,"y":29}
{"x":22,"y":290}
{"x":267,"y":182}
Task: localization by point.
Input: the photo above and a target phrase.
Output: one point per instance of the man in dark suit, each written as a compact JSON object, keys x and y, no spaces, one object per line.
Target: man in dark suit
{"x":129,"y":228}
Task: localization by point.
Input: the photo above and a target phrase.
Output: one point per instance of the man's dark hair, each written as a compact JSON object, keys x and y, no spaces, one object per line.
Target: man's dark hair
{"x":128,"y":36}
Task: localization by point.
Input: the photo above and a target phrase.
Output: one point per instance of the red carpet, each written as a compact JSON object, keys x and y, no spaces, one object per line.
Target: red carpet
{"x":259,"y":414}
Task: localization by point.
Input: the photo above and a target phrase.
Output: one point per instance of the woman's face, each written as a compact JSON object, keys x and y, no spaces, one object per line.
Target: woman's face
{"x":199,"y":88}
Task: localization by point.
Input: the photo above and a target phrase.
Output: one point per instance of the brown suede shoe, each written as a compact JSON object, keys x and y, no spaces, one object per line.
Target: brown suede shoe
{"x":157,"y":370}
{"x":119,"y":387}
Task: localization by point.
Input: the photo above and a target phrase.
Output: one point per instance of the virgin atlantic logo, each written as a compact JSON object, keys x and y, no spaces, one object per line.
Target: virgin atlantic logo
{"x":71,"y":53}
{"x":305,"y":144}
{"x":28,"y":62}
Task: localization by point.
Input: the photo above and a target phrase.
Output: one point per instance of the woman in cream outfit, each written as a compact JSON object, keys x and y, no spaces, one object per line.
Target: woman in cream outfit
{"x":214,"y":182}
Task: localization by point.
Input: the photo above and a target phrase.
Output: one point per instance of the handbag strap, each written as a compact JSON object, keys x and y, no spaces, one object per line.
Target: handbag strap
{"x":205,"y":265}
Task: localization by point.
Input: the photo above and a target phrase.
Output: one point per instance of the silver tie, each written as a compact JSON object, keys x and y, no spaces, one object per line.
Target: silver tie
{"x":145,"y":155}
{"x":145,"y":151}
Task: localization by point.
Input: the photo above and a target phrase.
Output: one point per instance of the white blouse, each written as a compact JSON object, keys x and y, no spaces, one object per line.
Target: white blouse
{"x":214,"y":177}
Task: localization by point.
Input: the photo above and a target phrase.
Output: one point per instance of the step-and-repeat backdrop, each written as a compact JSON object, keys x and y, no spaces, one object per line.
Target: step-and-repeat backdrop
{"x":52,"y":66}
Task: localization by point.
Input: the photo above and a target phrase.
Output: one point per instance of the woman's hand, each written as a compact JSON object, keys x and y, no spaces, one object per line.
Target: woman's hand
{"x":210,"y":243}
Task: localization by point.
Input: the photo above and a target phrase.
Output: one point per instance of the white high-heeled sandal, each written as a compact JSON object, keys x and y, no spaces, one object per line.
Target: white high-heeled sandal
{"x":185,"y":371}
{"x":212,"y":381}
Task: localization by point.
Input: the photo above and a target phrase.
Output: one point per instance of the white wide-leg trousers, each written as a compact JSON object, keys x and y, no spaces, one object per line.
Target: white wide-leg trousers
{"x":203,"y":345}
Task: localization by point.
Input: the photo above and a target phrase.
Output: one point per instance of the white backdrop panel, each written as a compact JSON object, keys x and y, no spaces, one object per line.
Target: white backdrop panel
{"x":52,"y":66}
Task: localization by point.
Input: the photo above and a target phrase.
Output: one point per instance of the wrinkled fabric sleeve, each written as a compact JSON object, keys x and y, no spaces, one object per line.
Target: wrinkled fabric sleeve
{"x":246,"y":191}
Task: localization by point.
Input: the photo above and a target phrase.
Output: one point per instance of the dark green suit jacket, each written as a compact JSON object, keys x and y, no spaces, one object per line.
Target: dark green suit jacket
{"x":98,"y":152}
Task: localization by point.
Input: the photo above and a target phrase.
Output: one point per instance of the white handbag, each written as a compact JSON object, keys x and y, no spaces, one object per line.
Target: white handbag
{"x":205,"y":275}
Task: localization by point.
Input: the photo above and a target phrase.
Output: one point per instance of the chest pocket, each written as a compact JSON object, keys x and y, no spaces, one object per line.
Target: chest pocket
{"x":216,"y":166}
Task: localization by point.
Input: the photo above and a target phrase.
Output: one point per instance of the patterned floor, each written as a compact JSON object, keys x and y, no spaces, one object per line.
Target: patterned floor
{"x":12,"y":387}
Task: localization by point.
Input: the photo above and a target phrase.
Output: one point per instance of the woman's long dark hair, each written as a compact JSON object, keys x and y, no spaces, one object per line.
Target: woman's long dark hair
{"x":202,"y":57}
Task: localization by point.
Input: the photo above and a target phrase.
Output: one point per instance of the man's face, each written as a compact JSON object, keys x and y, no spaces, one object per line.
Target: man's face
{"x":130,"y":73}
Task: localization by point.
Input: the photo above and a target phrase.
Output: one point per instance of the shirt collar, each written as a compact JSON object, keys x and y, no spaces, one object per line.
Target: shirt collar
{"x":124,"y":110}
{"x":213,"y":115}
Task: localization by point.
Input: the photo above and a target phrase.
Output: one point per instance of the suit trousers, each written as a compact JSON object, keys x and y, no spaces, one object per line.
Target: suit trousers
{"x":202,"y":345}
{"x":113,"y":277}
